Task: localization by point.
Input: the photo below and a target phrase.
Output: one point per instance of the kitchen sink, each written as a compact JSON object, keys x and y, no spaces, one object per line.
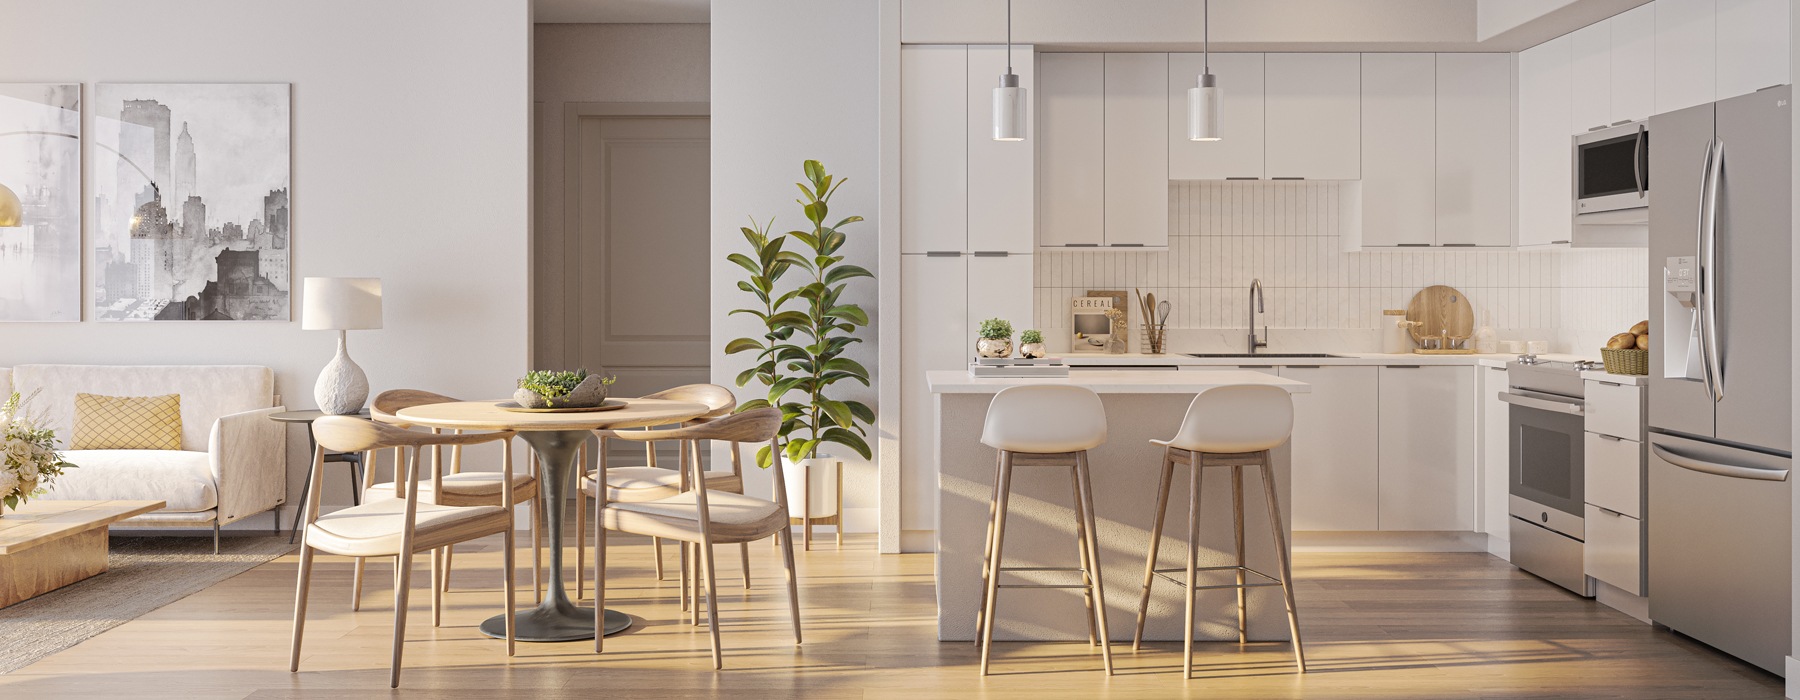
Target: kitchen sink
{"x":1241,"y":355}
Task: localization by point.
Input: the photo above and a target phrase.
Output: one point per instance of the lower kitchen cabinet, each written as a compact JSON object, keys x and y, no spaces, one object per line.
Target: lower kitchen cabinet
{"x":1334,"y":449}
{"x":933,"y":323}
{"x":1426,"y":433}
{"x":1614,"y":550}
{"x":1496,"y":462}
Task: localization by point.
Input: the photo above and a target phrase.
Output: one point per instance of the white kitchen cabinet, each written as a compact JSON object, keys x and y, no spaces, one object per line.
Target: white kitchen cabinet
{"x":934,"y":335}
{"x":1613,"y":474}
{"x":1474,"y":150}
{"x":1753,"y":47}
{"x":1238,"y":154}
{"x":1496,"y":462}
{"x":999,"y":287}
{"x":1633,"y":63}
{"x":1590,"y":66}
{"x":1686,"y":54}
{"x":1615,"y":409}
{"x":1426,"y":437}
{"x":1334,"y":449}
{"x":1313,"y":124}
{"x":1614,"y":550}
{"x":1001,"y":183}
{"x":1137,"y":149}
{"x":1545,"y":181}
{"x":934,"y":188}
{"x":1071,"y":158}
{"x":1399,"y":143}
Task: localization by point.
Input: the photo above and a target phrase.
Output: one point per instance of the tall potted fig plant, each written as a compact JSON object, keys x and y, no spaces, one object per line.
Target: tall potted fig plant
{"x":808,"y":327}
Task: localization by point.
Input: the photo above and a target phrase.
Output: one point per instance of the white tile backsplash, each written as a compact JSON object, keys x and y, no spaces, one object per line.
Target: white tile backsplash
{"x":1225,"y":234}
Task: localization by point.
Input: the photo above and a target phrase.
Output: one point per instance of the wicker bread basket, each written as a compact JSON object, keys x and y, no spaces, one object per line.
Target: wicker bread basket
{"x":1626,"y":361}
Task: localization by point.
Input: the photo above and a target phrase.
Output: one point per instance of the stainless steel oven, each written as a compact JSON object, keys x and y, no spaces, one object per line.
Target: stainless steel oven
{"x":1612,"y":175}
{"x":1545,"y":420}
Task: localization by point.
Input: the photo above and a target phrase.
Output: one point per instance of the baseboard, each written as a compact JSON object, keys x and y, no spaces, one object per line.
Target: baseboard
{"x":1499,"y":547}
{"x":1623,"y":601}
{"x":1793,"y":677}
{"x":1388,"y":541}
{"x":918,"y":541}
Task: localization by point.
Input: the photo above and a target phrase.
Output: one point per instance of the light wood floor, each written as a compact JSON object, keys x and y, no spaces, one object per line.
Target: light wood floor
{"x":1376,"y":626}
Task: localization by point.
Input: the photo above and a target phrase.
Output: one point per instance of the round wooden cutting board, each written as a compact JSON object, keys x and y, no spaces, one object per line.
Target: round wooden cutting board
{"x":1440,"y":310}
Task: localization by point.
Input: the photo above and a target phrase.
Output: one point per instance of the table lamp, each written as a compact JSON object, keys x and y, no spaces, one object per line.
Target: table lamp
{"x":341,"y":304}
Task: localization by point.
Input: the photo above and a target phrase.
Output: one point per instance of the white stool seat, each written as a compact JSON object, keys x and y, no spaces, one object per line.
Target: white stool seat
{"x":1235,"y":419}
{"x":464,"y":484}
{"x":1045,"y":420}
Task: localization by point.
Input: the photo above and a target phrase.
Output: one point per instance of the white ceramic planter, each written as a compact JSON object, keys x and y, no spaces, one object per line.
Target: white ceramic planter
{"x":812,"y":487}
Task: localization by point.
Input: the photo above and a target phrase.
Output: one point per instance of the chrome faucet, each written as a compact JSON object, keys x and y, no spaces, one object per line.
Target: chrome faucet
{"x":1256,"y":307}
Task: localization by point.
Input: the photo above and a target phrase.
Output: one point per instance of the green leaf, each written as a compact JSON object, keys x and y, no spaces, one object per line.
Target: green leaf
{"x":745,"y":262}
{"x":837,"y":411}
{"x":752,"y":405}
{"x":847,"y":220}
{"x":849,"y":312}
{"x":861,"y":411}
{"x":762,"y":456}
{"x":848,"y":439}
{"x":845,"y":272}
{"x":744,"y":377}
{"x":738,"y":345}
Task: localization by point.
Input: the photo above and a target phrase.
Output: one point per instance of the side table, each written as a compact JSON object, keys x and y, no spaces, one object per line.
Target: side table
{"x":352,"y":459}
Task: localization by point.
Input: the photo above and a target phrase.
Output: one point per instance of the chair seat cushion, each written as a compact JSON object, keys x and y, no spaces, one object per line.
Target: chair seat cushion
{"x":376,"y":527}
{"x":465,"y":484}
{"x":182,"y":479}
{"x":640,"y":484}
{"x":735,"y":517}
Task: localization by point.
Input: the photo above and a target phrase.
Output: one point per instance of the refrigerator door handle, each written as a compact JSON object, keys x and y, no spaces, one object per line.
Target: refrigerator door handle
{"x":1715,"y":468}
{"x":1708,"y":235}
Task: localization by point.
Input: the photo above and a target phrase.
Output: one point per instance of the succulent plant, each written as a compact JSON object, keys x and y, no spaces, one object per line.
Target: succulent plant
{"x":996,"y":329}
{"x":1031,"y":336}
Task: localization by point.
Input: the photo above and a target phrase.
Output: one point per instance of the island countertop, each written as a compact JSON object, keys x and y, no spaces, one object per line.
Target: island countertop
{"x":1112,"y":382}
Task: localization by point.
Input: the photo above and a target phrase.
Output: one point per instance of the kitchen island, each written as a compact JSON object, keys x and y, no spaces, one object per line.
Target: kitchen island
{"x":1139,"y":406}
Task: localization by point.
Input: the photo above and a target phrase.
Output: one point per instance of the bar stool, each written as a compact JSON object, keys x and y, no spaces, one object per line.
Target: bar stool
{"x":1044,"y":426}
{"x":1227,"y":426}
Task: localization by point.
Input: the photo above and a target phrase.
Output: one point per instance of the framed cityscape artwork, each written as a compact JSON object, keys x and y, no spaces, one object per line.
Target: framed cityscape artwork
{"x":40,"y":168}
{"x":190,"y":202}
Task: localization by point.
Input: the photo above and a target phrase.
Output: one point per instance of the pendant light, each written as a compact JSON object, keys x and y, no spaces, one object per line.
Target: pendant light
{"x":1009,"y":98}
{"x":1203,"y":101}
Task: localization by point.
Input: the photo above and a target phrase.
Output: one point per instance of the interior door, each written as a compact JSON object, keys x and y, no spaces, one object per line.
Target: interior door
{"x":1753,"y":273}
{"x":1678,"y":405}
{"x":641,"y":244}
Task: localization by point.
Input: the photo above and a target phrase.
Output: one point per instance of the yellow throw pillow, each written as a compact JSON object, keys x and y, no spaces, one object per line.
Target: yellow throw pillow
{"x":127,"y":422}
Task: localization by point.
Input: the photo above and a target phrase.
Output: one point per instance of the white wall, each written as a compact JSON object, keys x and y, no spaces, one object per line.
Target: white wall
{"x":410,"y":163}
{"x":794,"y":80}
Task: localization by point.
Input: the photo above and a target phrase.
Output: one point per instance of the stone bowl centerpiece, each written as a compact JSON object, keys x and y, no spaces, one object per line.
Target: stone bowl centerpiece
{"x":563,"y":389}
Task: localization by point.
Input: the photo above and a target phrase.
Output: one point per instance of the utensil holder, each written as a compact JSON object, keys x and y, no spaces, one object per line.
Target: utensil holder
{"x":1153,"y":336}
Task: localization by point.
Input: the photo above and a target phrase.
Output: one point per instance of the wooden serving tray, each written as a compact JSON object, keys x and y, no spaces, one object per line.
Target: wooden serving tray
{"x":607,"y":405}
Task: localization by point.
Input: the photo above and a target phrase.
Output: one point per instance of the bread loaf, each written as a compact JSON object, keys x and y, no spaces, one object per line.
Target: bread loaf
{"x":1622,"y":341}
{"x":1642,"y":328}
{"x":1643,"y":342}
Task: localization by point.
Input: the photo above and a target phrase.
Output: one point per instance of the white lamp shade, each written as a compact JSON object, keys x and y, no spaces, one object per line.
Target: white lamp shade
{"x":340,"y":304}
{"x":1203,"y":110}
{"x":1009,"y":113}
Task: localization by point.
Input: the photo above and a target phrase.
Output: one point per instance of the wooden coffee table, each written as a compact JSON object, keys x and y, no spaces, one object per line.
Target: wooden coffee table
{"x":50,"y":544}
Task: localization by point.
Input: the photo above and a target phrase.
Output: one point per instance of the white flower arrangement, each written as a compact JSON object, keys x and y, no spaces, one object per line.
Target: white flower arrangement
{"x":28,"y":450}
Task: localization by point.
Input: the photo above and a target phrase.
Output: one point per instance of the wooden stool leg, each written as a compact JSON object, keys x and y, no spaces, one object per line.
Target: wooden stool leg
{"x":1237,"y":524}
{"x":580,"y":543}
{"x":994,"y":559}
{"x":449,"y":555}
{"x":437,"y":594}
{"x":987,"y":548}
{"x":744,"y":549}
{"x":402,"y":586}
{"x":656,"y":543}
{"x":1193,"y":553}
{"x":1093,"y":546}
{"x":1156,"y":525}
{"x":300,"y":590}
{"x":1081,"y":552}
{"x":682,"y":560}
{"x":1281,"y":553}
{"x":356,"y":586}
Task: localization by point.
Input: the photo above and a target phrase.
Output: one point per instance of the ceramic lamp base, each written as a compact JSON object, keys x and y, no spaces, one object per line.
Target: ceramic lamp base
{"x":342,"y":388}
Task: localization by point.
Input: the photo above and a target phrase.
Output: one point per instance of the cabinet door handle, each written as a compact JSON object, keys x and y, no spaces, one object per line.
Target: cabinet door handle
{"x":1604,"y":436}
{"x":1609,"y":511}
{"x":1126,"y":245}
{"x":1256,"y":366}
{"x":1459,"y":245}
{"x":1287,"y":178}
{"x":1243,"y":178}
{"x":943,"y":254}
{"x":1597,"y":128}
{"x":1559,"y":243}
{"x":1413,"y":245}
{"x":1096,"y":245}
{"x":1303,"y":366}
{"x":1401,"y":366}
{"x":991,"y":253}
{"x":1620,"y":122}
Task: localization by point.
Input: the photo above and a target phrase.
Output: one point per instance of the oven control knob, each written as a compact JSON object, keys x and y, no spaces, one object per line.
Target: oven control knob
{"x":1544,"y":516}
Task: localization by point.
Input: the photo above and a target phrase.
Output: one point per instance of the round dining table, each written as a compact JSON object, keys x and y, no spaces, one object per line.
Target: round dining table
{"x":557,"y":437}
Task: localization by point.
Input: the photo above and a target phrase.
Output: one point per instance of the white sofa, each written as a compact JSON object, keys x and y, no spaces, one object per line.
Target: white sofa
{"x":233,"y":460}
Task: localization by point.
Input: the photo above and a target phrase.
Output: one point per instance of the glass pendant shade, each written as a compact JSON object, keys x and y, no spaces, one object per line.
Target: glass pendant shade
{"x":1203,"y":110}
{"x":11,"y":210}
{"x":1009,"y":109}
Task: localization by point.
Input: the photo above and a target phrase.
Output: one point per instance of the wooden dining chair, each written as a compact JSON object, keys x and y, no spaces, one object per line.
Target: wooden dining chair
{"x":458,"y":488}
{"x":652,"y":481}
{"x":398,"y":527}
{"x":701,"y":516}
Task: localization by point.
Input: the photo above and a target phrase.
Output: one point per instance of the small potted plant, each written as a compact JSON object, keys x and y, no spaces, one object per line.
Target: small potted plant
{"x":563,"y":389}
{"x":1031,"y":345}
{"x":996,"y":338}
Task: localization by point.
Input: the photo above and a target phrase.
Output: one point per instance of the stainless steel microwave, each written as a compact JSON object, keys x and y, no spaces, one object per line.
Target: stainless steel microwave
{"x":1612,"y":175}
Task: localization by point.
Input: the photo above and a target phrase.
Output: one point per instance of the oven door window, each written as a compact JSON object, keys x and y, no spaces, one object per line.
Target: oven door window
{"x":1609,"y":167}
{"x":1547,"y":458}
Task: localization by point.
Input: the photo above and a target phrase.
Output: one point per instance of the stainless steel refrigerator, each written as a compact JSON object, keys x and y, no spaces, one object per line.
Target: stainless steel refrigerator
{"x":1721,"y":442}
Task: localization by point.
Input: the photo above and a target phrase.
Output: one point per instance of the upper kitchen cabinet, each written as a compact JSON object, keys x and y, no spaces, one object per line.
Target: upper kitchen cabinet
{"x":934,"y":148}
{"x":1613,"y":64}
{"x":1071,"y":155}
{"x":1474,"y":149}
{"x":1399,"y":143}
{"x":1752,"y":45}
{"x":960,"y":190}
{"x":1001,"y":188}
{"x":1590,"y":65}
{"x":1545,"y":180}
{"x":1686,"y":58}
{"x":1239,"y":154}
{"x":1103,"y":161}
{"x":1137,"y":149}
{"x":1313,"y":123}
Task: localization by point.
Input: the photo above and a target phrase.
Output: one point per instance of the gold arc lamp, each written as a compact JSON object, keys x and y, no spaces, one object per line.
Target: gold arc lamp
{"x":12,"y":211}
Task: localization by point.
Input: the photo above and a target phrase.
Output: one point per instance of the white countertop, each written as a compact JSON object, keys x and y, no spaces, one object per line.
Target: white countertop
{"x":1112,"y":382}
{"x":1343,"y":358}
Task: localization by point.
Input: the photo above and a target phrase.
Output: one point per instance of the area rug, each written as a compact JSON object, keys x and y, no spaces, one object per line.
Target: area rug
{"x":144,"y":573}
